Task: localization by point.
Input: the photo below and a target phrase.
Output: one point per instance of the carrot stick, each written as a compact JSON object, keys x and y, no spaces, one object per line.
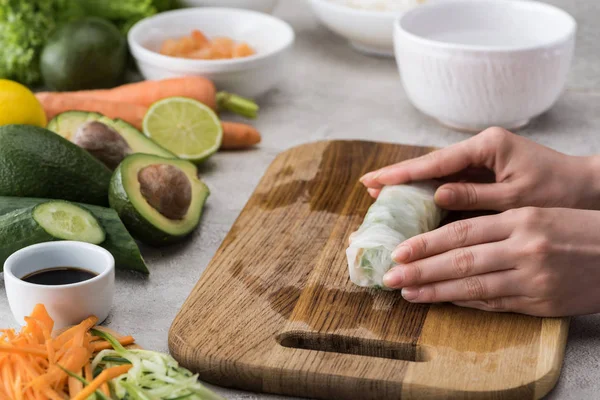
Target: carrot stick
{"x":105,"y":389}
{"x":125,"y":341}
{"x":74,"y":386}
{"x":147,"y":92}
{"x":104,"y":376}
{"x":87,"y":372}
{"x":238,"y":136}
{"x":64,"y":337}
{"x":56,"y":103}
{"x":7,"y":348}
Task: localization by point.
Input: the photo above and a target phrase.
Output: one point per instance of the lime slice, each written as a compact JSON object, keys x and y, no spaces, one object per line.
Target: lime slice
{"x":184,"y":126}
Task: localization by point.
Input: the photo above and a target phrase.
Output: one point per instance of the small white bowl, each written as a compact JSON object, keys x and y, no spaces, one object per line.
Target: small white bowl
{"x":251,"y":76}
{"x":66,"y":304}
{"x":472,"y":64}
{"x":265,"y":6}
{"x":369,"y":31}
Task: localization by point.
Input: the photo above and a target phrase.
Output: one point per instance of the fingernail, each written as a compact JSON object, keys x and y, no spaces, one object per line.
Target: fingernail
{"x":402,"y":253}
{"x":446,"y":196}
{"x":410,"y":294}
{"x":394,"y":278}
{"x":366,"y":176}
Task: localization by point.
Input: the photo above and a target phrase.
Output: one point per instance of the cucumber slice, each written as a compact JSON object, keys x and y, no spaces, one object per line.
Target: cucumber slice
{"x":35,"y":224}
{"x":67,"y":221}
{"x":118,"y":241}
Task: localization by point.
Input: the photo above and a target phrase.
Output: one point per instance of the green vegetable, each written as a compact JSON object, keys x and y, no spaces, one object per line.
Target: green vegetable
{"x":25,"y":25}
{"x":118,"y":241}
{"x":89,"y":53}
{"x":125,"y":13}
{"x":101,"y":140}
{"x":45,"y":222}
{"x":35,"y":162}
{"x":81,"y":379}
{"x":237,"y":104}
{"x":153,"y":375}
{"x":160,"y":200}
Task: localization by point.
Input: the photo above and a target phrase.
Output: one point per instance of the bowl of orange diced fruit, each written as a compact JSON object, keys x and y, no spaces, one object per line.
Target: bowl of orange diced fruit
{"x":242,"y":51}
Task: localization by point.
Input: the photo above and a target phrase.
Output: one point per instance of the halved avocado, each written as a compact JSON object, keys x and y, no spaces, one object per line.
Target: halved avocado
{"x":159,"y":200}
{"x":67,"y":125}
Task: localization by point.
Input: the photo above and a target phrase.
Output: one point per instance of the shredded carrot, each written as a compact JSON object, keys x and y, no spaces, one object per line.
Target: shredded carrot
{"x":105,"y":376}
{"x":87,"y":372}
{"x":34,"y":365}
{"x":23,"y":350}
{"x":125,"y":341}
{"x":104,"y":389}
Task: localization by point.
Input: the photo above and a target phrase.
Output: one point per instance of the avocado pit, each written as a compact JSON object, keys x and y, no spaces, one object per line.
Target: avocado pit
{"x":167,"y":189}
{"x":103,"y":142}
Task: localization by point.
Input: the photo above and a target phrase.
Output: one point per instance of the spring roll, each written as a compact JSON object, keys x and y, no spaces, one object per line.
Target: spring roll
{"x":400,"y":212}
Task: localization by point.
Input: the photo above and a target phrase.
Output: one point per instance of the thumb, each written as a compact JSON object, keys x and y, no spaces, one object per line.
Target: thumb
{"x":474,"y":196}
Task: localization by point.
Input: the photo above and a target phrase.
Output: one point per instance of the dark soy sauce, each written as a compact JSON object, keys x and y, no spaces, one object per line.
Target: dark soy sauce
{"x":59,"y":276}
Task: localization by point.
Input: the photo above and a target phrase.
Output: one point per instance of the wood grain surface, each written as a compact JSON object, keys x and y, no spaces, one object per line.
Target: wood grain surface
{"x":275,"y":310}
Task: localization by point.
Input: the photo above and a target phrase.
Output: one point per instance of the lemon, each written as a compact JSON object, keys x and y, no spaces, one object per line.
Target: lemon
{"x":18,"y":105}
{"x":184,"y":126}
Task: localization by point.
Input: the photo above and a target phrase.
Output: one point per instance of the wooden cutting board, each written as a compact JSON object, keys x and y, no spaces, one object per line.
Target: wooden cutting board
{"x":275,"y":311}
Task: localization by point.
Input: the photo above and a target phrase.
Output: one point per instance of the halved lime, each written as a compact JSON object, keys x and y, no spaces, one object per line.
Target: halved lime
{"x":184,"y":126}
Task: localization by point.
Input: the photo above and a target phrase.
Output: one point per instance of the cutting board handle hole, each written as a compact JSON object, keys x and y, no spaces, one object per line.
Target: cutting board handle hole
{"x":353,"y":345}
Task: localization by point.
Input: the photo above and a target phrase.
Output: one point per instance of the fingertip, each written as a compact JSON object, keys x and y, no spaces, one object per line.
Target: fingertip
{"x":373,"y":192}
{"x":367,"y":177}
{"x":445,"y":196}
{"x":394,"y":278}
{"x":401,"y":254}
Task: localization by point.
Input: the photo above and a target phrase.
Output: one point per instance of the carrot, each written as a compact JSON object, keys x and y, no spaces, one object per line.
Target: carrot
{"x":87,"y":372}
{"x":7,"y":348}
{"x":238,"y":136}
{"x":145,"y":93}
{"x":105,"y":389}
{"x":56,"y":103}
{"x":42,"y":321}
{"x":103,"y":345}
{"x":104,"y":376}
{"x":74,"y":386}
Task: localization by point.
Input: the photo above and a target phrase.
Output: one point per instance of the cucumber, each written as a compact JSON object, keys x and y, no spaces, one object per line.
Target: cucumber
{"x":67,"y":221}
{"x":118,"y":241}
{"x":45,"y":222}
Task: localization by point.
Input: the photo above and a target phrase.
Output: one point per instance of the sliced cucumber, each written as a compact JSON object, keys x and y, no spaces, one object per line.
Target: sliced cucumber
{"x":67,"y":221}
{"x":54,"y":220}
{"x":118,"y":241}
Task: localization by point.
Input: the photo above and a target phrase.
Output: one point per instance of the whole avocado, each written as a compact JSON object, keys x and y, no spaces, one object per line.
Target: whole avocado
{"x":89,"y":53}
{"x":35,"y":162}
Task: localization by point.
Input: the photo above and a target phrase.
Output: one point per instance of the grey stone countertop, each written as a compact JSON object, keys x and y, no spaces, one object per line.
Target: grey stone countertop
{"x":332,"y":92}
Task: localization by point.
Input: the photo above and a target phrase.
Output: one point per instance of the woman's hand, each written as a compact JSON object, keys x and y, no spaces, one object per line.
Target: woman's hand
{"x":537,"y":261}
{"x":526,"y":174}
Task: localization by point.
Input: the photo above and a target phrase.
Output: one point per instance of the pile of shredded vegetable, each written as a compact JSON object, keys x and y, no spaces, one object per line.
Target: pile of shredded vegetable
{"x":80,"y":364}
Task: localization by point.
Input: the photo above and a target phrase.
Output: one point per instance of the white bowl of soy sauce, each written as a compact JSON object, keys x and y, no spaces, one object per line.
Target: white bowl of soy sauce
{"x":73,"y":280}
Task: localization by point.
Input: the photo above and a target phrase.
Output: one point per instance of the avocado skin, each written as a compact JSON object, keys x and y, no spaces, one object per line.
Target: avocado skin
{"x":35,"y":162}
{"x":88,"y":53}
{"x":138,"y":225}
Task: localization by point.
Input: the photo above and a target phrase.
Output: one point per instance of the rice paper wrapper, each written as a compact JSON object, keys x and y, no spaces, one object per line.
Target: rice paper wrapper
{"x":400,"y":212}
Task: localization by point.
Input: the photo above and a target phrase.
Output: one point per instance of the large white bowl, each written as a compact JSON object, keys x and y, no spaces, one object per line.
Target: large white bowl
{"x":265,"y":6}
{"x":251,"y":76}
{"x":370,"y":32}
{"x":476,"y":63}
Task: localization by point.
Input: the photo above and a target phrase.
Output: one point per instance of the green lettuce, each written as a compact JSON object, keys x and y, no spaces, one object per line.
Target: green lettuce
{"x":26,"y":25}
